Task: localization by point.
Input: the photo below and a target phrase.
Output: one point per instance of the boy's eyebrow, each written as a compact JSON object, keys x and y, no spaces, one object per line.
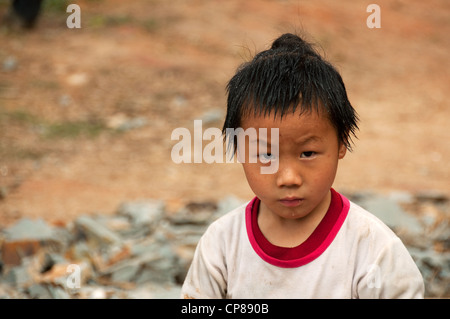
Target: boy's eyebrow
{"x":308,"y":138}
{"x":257,"y":140}
{"x":302,"y":140}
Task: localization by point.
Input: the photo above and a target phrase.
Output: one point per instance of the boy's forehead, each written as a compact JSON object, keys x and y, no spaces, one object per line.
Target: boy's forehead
{"x":297,"y":126}
{"x":252,"y":119}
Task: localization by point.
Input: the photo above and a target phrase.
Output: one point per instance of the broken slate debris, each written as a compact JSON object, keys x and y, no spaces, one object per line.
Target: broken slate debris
{"x":143,"y":251}
{"x":392,"y":214}
{"x":25,"y":239}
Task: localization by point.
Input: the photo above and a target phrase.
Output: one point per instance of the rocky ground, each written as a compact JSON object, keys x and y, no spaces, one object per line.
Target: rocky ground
{"x":86,"y":117}
{"x":144,"y":251}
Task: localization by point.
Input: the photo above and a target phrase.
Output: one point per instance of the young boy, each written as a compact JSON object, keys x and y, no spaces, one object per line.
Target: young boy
{"x":298,"y":238}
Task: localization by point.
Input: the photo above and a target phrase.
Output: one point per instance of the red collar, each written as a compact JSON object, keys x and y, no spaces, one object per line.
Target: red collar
{"x":311,"y":248}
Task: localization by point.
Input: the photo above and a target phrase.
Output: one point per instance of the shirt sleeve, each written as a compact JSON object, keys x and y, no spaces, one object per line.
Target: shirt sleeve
{"x":392,"y":275}
{"x":206,"y":277}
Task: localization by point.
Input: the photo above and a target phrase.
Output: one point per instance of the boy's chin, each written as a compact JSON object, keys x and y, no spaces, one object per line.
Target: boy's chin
{"x":292,"y":210}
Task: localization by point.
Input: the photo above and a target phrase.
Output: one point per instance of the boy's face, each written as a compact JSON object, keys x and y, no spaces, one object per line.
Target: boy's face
{"x":309,"y":151}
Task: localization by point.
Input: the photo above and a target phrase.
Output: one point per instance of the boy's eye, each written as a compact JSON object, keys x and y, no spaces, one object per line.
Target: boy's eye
{"x":266,"y":157}
{"x":307,"y":154}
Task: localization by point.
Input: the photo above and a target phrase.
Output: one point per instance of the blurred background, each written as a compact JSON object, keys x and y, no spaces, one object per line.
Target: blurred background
{"x":86,"y":114}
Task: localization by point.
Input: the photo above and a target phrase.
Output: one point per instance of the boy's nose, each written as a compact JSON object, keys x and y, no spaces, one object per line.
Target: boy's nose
{"x":288,"y":177}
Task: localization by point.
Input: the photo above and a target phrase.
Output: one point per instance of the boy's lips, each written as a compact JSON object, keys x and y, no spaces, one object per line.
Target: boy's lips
{"x":291,"y":201}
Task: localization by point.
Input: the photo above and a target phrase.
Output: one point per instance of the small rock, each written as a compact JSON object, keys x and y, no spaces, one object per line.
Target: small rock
{"x":14,"y":251}
{"x":65,"y":100}
{"x":58,"y":292}
{"x":134,"y":123}
{"x":96,"y":231}
{"x":30,"y":229}
{"x":38,"y":291}
{"x":18,"y":276}
{"x":77,"y":79}
{"x":179,"y":100}
{"x":97,"y":293}
{"x":10,"y":64}
{"x":26,"y":238}
{"x":401,"y":197}
{"x":432,"y":195}
{"x":212,"y":116}
{"x":195,"y":213}
{"x":143,"y":212}
{"x":435,"y":268}
{"x":392,"y":214}
{"x":121,"y":122}
{"x":227,"y":204}
{"x":3,"y":192}
{"x":126,"y":272}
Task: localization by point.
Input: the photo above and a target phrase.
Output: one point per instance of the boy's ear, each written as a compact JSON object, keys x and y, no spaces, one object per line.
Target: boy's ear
{"x":342,"y":150}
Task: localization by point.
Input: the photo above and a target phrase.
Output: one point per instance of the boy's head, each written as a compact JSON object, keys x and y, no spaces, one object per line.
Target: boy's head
{"x":292,"y":89}
{"x":290,"y":76}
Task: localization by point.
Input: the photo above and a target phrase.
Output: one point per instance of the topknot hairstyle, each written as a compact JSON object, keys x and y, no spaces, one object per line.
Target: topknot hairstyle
{"x":289,"y":75}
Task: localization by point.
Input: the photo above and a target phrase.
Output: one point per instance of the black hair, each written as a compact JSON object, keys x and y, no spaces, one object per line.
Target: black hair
{"x":289,"y":74}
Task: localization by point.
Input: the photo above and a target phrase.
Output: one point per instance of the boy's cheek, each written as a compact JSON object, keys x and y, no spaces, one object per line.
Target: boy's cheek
{"x":257,"y":171}
{"x":253,"y":174}
{"x":269,"y":169}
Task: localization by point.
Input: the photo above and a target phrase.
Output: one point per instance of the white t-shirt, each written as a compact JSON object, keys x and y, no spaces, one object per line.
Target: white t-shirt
{"x":358,"y":257}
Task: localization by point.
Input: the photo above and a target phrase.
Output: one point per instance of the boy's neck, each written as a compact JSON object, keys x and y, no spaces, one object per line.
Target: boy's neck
{"x":285,"y":232}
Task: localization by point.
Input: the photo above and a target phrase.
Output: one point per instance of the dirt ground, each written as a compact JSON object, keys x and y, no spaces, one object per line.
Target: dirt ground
{"x":67,"y":96}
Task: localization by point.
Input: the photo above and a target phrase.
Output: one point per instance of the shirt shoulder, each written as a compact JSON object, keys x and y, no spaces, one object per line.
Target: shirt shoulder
{"x":385,"y":267}
{"x":208,"y":274}
{"x":227,"y":227}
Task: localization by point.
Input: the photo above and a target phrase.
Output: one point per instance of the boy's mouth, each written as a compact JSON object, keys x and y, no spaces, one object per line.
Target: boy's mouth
{"x":291,"y":201}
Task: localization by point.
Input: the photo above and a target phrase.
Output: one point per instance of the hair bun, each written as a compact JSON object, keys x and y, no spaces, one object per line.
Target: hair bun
{"x":289,"y":41}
